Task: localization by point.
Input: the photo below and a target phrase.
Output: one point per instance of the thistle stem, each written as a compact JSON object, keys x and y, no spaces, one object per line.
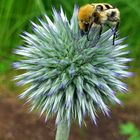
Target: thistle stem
{"x":63,"y":131}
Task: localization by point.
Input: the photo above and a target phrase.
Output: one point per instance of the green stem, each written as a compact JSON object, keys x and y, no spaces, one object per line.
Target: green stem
{"x":63,"y":131}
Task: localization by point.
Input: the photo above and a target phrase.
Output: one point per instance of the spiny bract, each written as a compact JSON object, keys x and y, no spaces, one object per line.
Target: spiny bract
{"x":67,"y":74}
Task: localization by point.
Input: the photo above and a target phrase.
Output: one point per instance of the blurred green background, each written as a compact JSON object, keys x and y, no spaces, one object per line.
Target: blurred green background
{"x":15,"y":17}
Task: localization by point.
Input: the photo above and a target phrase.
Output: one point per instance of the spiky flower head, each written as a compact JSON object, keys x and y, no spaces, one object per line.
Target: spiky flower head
{"x":68,"y":75}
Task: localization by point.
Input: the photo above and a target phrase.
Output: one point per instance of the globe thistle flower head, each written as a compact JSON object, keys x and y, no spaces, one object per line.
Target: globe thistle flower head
{"x":68,"y":75}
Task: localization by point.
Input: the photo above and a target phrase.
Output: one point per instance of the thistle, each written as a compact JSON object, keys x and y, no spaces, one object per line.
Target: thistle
{"x":69,"y":76}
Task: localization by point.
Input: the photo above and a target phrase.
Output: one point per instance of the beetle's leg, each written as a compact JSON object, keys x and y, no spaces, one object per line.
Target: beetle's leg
{"x":116,"y":29}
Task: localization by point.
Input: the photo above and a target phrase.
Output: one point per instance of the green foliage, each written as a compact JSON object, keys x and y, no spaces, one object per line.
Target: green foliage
{"x":13,"y":19}
{"x":15,"y":16}
{"x":129,"y":129}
